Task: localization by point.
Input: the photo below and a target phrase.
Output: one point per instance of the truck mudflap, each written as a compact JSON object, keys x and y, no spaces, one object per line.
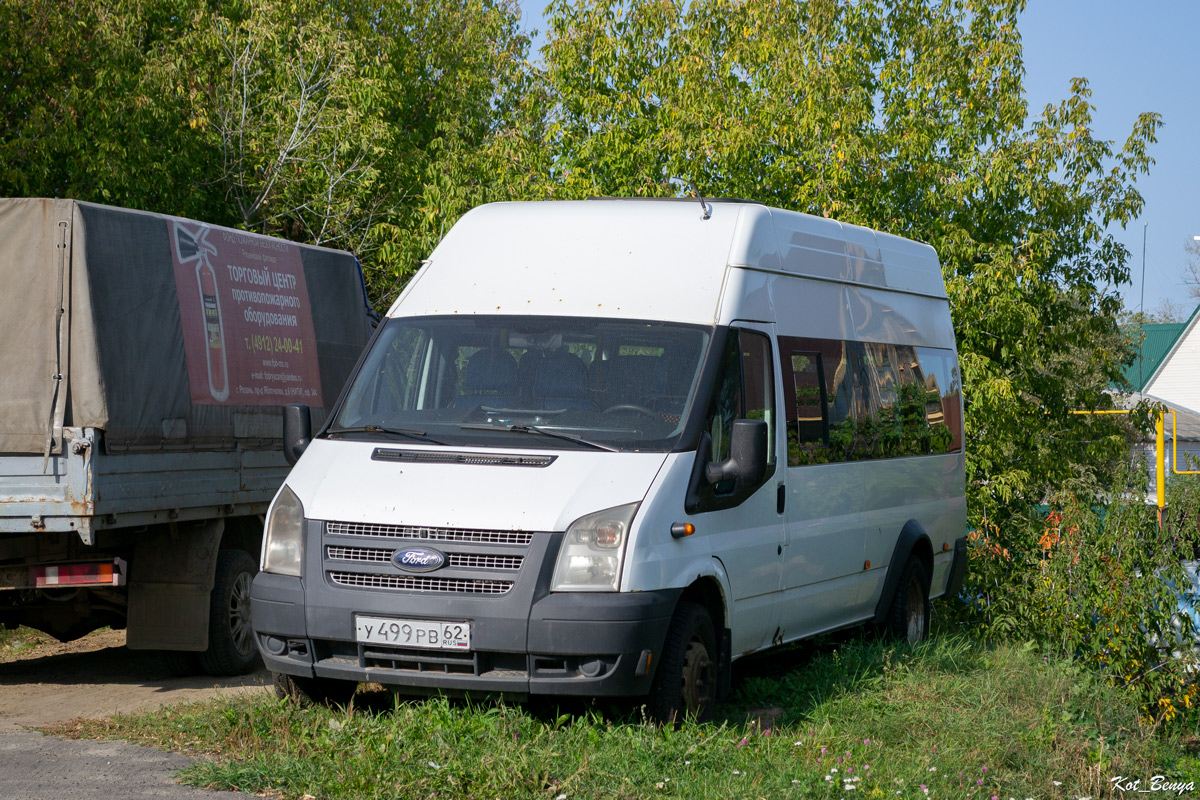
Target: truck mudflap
{"x":599,"y":643}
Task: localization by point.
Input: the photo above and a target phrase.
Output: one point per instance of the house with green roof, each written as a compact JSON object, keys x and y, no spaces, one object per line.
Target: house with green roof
{"x":1167,"y":370}
{"x":1168,"y":363}
{"x":1168,"y":360}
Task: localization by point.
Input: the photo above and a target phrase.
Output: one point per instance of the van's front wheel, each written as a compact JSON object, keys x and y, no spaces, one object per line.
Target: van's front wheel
{"x":685,"y":683}
{"x":908,"y":618}
{"x":306,"y":692}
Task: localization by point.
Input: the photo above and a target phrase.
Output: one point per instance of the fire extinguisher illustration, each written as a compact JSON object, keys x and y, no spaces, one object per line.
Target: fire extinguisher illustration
{"x":193,"y":245}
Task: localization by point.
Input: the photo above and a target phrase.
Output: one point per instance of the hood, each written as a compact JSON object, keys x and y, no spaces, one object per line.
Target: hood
{"x":339,"y":480}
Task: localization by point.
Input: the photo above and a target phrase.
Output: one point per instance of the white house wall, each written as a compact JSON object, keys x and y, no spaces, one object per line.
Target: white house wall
{"x":1177,"y":379}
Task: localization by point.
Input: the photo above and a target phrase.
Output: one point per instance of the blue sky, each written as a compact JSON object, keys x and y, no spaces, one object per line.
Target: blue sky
{"x":1137,"y":57}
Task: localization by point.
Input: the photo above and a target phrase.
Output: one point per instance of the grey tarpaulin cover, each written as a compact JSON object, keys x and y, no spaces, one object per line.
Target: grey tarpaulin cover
{"x":114,"y":357}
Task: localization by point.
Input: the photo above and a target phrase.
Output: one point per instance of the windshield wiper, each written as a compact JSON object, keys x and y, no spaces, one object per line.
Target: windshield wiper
{"x":540,"y":431}
{"x":410,"y":432}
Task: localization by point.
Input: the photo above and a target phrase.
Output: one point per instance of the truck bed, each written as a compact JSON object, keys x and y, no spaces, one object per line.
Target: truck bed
{"x":83,"y":490}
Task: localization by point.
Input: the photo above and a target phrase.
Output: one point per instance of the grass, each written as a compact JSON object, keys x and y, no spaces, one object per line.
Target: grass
{"x":18,"y":640}
{"x":861,"y":718}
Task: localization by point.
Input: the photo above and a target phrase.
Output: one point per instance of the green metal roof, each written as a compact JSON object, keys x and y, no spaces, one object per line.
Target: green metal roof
{"x":1157,"y":340}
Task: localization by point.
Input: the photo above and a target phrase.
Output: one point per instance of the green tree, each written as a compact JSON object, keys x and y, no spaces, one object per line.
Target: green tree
{"x":83,"y":114}
{"x":903,"y":115}
{"x":452,"y":74}
{"x":364,"y":124}
{"x":290,"y":103}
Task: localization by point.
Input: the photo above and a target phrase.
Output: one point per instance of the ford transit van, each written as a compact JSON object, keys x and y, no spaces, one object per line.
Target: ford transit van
{"x":608,"y":447}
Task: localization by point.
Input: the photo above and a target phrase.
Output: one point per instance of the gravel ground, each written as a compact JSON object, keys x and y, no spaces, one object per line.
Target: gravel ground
{"x":94,"y":677}
{"x":37,"y":767}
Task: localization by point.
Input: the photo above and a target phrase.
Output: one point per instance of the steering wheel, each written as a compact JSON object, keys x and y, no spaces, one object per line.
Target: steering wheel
{"x":622,"y":407}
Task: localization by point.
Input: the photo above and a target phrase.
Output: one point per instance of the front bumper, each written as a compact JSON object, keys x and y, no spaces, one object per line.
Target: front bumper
{"x":590,"y":644}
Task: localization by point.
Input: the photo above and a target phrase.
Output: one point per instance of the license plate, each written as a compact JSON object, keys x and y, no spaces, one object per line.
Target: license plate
{"x":422,"y":633}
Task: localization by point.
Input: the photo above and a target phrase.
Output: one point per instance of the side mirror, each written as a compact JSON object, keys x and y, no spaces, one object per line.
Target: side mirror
{"x":747,"y":460}
{"x":297,"y":431}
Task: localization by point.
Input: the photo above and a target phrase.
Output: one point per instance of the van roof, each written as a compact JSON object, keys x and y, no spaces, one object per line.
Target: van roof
{"x":638,"y":259}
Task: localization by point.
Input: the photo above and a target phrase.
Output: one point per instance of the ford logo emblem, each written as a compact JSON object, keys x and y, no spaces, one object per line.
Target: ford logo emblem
{"x":418,"y":559}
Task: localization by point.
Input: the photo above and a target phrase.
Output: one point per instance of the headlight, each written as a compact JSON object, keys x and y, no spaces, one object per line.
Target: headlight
{"x":283,"y":547}
{"x":592,"y":550}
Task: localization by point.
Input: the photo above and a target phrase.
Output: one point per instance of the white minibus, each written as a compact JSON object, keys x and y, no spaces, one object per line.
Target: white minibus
{"x":608,"y":447}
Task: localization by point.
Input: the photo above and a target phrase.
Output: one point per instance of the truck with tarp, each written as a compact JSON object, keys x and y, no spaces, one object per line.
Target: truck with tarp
{"x":144,"y":362}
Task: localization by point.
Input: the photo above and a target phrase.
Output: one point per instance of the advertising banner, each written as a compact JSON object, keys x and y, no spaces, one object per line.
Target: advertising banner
{"x":247,"y":323}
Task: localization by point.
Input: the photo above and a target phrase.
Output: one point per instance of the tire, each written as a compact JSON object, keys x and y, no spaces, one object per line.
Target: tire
{"x":908,"y":618}
{"x":685,"y":683}
{"x":306,"y":692}
{"x":231,"y":648}
{"x":181,"y":663}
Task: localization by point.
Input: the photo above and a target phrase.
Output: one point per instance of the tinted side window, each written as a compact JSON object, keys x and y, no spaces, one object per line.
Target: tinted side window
{"x":852,"y":401}
{"x":810,"y":410}
{"x":807,"y":406}
{"x":943,"y":398}
{"x":819,"y":396}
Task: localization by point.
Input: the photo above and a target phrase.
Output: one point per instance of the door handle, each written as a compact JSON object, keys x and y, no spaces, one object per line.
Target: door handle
{"x":780,"y":498}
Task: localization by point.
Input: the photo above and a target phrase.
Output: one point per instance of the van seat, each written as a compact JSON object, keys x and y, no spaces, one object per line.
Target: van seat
{"x":489,"y":378}
{"x":561,"y":382}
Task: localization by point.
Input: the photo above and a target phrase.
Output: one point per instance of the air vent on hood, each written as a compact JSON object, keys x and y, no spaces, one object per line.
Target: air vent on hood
{"x":458,"y":457}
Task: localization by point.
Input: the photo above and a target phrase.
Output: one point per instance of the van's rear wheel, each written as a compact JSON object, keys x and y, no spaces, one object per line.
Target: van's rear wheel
{"x":306,"y":692}
{"x":231,"y":648}
{"x":685,"y":683}
{"x":908,"y":618}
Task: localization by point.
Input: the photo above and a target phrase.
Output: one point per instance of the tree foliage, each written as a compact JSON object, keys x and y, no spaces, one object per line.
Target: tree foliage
{"x":354,"y":123}
{"x":449,"y":71}
{"x":288,"y":103}
{"x":82,"y":115}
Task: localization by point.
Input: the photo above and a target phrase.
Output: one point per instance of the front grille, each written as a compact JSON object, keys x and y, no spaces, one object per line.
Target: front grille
{"x":421,"y":583}
{"x":520,"y":538}
{"x":444,"y":661}
{"x":474,"y":561}
{"x":361,"y":554}
{"x":371,"y":555}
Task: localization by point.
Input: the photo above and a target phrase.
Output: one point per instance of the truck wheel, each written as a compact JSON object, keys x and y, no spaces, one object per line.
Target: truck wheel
{"x":908,"y":617}
{"x":306,"y":692}
{"x":231,"y":649}
{"x":685,"y":683}
{"x":181,"y":663}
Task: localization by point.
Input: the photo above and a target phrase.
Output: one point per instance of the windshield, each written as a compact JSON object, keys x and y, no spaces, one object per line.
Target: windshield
{"x":488,"y":380}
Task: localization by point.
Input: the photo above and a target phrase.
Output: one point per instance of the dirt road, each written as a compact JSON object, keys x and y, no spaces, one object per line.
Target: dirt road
{"x":94,"y":677}
{"x":97,"y":677}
